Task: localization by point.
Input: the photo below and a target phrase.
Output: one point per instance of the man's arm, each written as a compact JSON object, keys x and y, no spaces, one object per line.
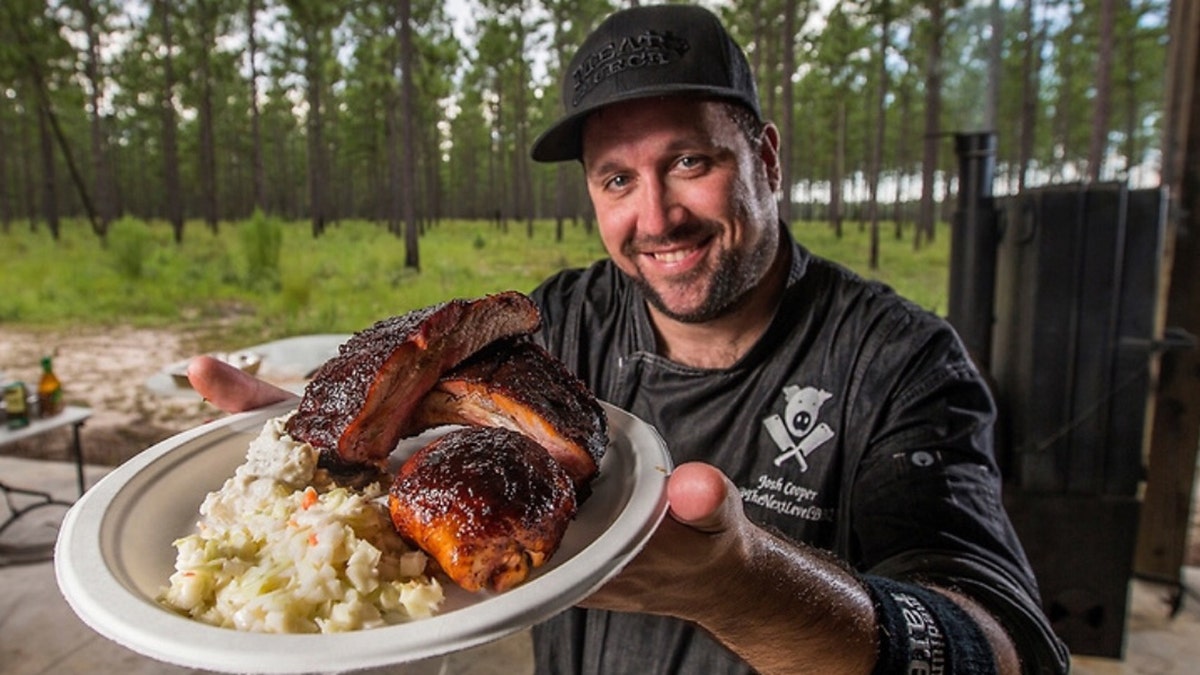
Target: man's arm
{"x":780,"y":606}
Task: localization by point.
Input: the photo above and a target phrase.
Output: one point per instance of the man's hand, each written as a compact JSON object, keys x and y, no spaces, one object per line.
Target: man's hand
{"x":782,"y":607}
{"x":230,"y":389}
{"x":696,"y":537}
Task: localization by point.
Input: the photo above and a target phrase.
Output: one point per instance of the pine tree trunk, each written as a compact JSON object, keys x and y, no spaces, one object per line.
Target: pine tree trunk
{"x":316,"y":130}
{"x":1030,"y":65}
{"x":208,"y":157}
{"x":839,"y":163}
{"x":789,"y":123}
{"x":6,"y":206}
{"x":101,"y":171}
{"x":933,"y":112}
{"x":1102,"y":104}
{"x":258,"y":180}
{"x":412,"y":257}
{"x":173,"y":207}
{"x":880,"y":135}
{"x":49,"y":175}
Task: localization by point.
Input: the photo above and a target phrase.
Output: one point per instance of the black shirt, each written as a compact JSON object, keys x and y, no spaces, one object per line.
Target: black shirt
{"x":856,"y":424}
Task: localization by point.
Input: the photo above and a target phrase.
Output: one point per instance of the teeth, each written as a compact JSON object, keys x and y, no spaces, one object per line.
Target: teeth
{"x":671,"y":256}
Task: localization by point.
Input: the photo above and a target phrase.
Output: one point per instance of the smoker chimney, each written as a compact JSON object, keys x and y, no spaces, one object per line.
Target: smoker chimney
{"x":973,"y":242}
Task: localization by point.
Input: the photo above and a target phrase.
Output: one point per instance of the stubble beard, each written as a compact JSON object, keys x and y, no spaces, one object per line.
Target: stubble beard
{"x":735,"y":275}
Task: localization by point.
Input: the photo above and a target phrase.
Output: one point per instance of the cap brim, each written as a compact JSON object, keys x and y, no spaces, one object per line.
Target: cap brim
{"x":561,"y":142}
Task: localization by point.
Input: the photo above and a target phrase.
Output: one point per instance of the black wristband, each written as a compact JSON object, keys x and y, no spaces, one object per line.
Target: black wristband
{"x":923,"y":632}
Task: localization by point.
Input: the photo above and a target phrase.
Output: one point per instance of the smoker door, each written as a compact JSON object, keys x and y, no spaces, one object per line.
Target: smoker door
{"x":1076,"y":280}
{"x":1076,"y":276}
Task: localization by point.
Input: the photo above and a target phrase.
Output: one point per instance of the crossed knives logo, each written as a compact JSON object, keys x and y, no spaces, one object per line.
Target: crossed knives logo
{"x":797,"y":432}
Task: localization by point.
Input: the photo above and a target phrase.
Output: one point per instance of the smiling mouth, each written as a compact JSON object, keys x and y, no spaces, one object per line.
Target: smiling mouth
{"x":677,"y":247}
{"x":675,"y":256}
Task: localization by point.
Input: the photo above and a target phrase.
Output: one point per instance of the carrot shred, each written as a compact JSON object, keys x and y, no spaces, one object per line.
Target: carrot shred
{"x":312,"y":539}
{"x":310,"y":498}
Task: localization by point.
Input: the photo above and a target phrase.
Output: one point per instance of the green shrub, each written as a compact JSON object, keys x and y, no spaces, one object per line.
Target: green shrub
{"x":129,"y":245}
{"x":262,"y":243}
{"x":296,"y":293}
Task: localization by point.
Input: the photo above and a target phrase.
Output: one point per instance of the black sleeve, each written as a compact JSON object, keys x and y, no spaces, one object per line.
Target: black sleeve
{"x":552,"y":297}
{"x":926,"y":502}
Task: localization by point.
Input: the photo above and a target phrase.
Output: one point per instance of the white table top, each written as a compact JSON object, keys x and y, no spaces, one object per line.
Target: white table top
{"x":70,"y":415}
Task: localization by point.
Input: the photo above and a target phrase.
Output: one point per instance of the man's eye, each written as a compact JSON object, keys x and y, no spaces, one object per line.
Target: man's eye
{"x":690,"y":162}
{"x":616,"y":182}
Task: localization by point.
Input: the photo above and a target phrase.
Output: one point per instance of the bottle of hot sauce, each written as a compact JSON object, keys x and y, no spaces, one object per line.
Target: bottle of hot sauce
{"x":49,"y":391}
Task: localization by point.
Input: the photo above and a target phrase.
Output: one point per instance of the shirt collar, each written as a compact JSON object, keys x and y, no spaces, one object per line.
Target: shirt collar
{"x":800,"y":255}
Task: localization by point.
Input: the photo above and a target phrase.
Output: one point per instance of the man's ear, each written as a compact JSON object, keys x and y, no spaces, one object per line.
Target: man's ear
{"x":769,"y":154}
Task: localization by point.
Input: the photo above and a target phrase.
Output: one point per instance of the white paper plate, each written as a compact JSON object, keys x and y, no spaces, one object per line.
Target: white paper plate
{"x":114,"y":555}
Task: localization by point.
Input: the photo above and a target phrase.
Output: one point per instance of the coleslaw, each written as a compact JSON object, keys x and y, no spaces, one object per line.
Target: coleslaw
{"x":280,"y":549}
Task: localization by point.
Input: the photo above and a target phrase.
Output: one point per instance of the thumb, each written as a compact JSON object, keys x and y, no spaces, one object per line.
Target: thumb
{"x":230,"y":389}
{"x":701,"y":497}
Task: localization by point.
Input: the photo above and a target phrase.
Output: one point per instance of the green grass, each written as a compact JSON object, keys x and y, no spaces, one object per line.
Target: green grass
{"x":921,"y":275}
{"x":342,"y":282}
{"x":228,"y":290}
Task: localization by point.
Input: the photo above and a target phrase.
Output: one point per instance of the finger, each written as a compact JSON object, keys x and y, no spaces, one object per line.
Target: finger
{"x":701,"y":497}
{"x":230,"y":389}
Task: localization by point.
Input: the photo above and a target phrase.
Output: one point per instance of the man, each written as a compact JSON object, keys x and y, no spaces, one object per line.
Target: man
{"x":836,"y":505}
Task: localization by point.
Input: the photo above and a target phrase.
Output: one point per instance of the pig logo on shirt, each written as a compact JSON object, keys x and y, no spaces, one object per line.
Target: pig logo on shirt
{"x":797,"y":432}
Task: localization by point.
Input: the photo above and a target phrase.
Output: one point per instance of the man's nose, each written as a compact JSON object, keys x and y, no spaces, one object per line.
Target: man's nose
{"x":661,"y":208}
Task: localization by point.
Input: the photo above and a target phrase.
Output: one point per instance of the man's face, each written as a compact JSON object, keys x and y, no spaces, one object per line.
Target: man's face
{"x":685,"y":205}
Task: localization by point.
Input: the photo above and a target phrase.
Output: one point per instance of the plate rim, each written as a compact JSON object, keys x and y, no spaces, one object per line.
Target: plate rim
{"x":106,"y":604}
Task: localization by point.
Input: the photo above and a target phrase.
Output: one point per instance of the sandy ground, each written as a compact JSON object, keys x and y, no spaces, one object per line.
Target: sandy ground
{"x":106,"y":369}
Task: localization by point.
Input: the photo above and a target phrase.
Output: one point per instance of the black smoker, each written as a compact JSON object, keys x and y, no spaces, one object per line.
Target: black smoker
{"x":1053,"y":291}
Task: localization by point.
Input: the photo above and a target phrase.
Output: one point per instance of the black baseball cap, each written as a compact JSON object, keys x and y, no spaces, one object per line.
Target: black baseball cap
{"x":645,"y":52}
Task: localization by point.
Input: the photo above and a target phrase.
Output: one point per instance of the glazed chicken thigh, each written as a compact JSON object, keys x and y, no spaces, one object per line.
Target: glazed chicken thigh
{"x":488,"y":504}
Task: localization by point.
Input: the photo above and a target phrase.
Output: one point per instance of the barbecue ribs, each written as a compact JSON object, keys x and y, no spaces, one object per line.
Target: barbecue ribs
{"x":359,"y":403}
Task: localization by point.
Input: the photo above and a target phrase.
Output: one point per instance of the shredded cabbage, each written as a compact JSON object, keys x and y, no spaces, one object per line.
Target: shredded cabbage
{"x":274,"y":553}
